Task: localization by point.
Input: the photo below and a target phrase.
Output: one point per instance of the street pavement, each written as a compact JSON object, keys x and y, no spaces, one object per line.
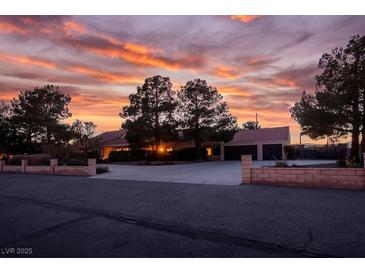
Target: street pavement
{"x":56,"y":216}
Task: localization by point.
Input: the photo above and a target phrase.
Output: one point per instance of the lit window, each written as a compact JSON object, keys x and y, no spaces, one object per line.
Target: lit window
{"x":209,"y":151}
{"x":169,"y":149}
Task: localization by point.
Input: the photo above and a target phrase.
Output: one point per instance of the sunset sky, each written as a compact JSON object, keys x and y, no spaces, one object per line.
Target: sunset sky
{"x":259,"y":63}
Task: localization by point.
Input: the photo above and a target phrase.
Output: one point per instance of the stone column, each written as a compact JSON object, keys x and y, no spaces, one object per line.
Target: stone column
{"x":92,"y":167}
{"x":2,"y":163}
{"x":24,"y":165}
{"x":53,"y":164}
{"x":246,"y":161}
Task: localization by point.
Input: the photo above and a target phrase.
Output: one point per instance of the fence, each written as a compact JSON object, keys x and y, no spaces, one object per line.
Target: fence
{"x":347,"y":178}
{"x":52,"y":169}
{"x":333,"y":151}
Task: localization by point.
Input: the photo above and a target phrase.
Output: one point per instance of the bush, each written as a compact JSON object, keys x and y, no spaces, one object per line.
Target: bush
{"x":281,"y":164}
{"x":187,"y":154}
{"x":290,"y":152}
{"x":137,"y":154}
{"x":118,"y":156}
{"x":348,"y":163}
{"x":132,"y":155}
{"x":33,"y":159}
{"x":76,"y":162}
{"x":102,"y":169}
{"x":93,"y":155}
{"x":14,"y":162}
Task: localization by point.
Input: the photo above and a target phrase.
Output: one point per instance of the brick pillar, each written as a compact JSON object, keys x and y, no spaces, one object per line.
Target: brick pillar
{"x":53,"y":164}
{"x":92,"y":167}
{"x":222,"y":152}
{"x":259,"y":152}
{"x":24,"y":165}
{"x":246,"y":161}
{"x":2,"y":163}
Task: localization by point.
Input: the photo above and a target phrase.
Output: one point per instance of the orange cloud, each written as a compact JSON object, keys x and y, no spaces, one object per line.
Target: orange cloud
{"x":71,"y":26}
{"x":25,"y":60}
{"x":6,"y":27}
{"x":234,"y":91}
{"x":138,"y":48}
{"x":110,"y":77}
{"x":285,"y":82}
{"x":244,"y":18}
{"x":227,"y":72}
{"x":130,"y":52}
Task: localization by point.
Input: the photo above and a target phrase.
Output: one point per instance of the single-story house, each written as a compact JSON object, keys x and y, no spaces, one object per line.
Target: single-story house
{"x":262,"y":144}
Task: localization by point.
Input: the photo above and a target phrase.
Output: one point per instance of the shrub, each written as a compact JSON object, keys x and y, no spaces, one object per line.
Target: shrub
{"x":186,"y":154}
{"x":14,"y":162}
{"x":33,"y":159}
{"x":137,"y":154}
{"x":281,"y":164}
{"x":118,"y":156}
{"x":102,"y":169}
{"x":290,"y":152}
{"x":76,"y":162}
{"x":348,"y":163}
{"x":93,"y":155}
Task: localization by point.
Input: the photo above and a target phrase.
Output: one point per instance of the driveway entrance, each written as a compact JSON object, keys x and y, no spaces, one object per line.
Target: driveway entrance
{"x":215,"y":173}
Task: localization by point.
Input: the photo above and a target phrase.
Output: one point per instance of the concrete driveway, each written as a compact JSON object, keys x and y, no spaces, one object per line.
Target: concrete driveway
{"x":215,"y":172}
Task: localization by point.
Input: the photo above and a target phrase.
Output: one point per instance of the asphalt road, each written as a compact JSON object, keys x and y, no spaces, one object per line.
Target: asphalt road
{"x":54,"y":216}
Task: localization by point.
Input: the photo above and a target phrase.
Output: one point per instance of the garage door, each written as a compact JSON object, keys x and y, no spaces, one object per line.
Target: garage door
{"x":272,"y":152}
{"x":235,"y":152}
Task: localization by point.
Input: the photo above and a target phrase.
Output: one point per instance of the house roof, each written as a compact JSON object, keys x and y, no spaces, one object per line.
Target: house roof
{"x":112,"y":138}
{"x":262,"y":134}
{"x":117,"y":137}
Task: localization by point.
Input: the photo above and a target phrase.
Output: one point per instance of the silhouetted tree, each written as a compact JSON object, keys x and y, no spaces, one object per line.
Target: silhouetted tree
{"x":83,"y":133}
{"x":337,"y":107}
{"x":37,"y":112}
{"x":149,"y":117}
{"x":251,"y":125}
{"x":203,"y":115}
{"x":8,"y":134}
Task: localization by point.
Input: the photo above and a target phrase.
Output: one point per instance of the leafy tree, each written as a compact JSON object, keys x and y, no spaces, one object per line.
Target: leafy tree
{"x":149,"y":117}
{"x":83,"y":130}
{"x":37,"y":112}
{"x":337,"y":107}
{"x":7,"y":130}
{"x":203,"y":115}
{"x":251,"y":125}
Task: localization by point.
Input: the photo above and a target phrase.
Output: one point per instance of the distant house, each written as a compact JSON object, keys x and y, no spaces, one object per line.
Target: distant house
{"x":111,"y":141}
{"x":262,"y":144}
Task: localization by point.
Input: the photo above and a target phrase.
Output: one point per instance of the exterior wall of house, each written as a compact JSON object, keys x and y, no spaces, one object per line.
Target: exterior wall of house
{"x":104,"y":151}
{"x":260,"y":144}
